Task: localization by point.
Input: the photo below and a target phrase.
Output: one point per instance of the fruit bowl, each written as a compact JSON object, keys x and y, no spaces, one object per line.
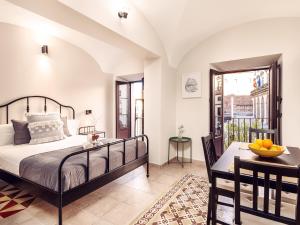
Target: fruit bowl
{"x":267,"y":150}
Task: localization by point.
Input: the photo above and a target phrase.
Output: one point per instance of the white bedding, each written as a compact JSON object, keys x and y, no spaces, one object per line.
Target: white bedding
{"x":12,"y":155}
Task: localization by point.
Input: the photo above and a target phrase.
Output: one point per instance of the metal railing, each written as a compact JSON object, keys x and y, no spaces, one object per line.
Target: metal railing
{"x":237,"y":129}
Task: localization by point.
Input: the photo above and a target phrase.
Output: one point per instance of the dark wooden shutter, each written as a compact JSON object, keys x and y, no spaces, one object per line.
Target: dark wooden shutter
{"x":216,"y":111}
{"x":275,"y":112}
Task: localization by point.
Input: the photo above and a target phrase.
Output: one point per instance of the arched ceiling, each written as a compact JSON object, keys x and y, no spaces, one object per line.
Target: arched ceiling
{"x":107,"y":48}
{"x":182,"y":24}
{"x":153,"y":26}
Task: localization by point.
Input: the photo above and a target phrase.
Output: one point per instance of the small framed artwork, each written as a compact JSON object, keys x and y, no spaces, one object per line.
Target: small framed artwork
{"x":191,"y":85}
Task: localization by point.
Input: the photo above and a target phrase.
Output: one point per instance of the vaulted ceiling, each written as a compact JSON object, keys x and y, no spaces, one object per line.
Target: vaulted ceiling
{"x":153,"y":26}
{"x":182,"y":24}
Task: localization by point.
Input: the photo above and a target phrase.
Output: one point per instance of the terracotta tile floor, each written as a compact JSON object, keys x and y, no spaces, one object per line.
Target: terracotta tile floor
{"x":117,"y":203}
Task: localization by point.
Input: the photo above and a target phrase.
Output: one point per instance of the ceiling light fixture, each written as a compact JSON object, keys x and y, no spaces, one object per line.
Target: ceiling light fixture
{"x":123,"y":14}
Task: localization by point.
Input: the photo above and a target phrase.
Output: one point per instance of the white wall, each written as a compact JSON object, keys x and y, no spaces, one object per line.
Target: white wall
{"x":67,"y":74}
{"x":160,"y":108}
{"x":254,"y":39}
{"x":128,"y":65}
{"x":168,"y":110}
{"x":153,"y":107}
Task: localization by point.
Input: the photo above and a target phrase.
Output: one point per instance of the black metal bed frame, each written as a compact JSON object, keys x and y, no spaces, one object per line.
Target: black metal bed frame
{"x":28,"y":107}
{"x":62,"y":198}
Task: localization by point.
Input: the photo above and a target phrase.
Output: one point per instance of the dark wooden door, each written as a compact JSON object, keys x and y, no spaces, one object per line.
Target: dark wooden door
{"x":123,"y":110}
{"x":275,"y":100}
{"x":216,"y":110}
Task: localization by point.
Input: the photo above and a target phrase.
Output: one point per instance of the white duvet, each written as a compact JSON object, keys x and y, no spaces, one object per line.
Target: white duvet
{"x":12,"y":155}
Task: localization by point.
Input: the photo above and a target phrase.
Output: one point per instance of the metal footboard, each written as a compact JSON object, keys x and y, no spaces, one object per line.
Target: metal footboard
{"x":98,"y":148}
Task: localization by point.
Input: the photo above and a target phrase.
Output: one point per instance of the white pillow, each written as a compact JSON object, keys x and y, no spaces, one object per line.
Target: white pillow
{"x":6,"y":134}
{"x":73,"y":126}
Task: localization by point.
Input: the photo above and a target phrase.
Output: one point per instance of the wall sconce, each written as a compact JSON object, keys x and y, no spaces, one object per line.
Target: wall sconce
{"x":88,"y":119}
{"x":123,"y":14}
{"x":88,"y":112}
{"x":45,"y":49}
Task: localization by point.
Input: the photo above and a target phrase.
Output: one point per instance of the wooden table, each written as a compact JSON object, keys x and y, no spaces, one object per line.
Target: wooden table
{"x":221,"y":168}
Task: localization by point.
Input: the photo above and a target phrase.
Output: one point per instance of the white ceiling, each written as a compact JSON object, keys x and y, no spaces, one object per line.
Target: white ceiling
{"x":179,"y":24}
{"x":107,"y":56}
{"x":182,"y":24}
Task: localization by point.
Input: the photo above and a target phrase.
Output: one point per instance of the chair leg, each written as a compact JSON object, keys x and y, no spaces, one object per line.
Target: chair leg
{"x":209,"y":208}
{"x":213,"y":200}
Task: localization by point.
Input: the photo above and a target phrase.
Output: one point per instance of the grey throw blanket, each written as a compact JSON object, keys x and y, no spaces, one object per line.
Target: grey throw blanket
{"x":43,"y":168}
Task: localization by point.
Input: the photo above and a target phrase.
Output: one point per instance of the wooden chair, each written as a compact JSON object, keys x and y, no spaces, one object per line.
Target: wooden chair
{"x":210,"y":159}
{"x":263,"y":134}
{"x":266,"y":171}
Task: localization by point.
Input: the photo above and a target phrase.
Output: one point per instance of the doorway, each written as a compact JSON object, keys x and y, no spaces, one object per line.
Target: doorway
{"x":242,"y":99}
{"x":129,"y":108}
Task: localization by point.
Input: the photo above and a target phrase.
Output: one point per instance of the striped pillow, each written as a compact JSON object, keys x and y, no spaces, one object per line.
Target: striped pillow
{"x":46,"y":131}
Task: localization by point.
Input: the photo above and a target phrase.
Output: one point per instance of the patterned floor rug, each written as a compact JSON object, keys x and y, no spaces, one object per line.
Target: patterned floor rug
{"x":13,"y":200}
{"x":185,"y":203}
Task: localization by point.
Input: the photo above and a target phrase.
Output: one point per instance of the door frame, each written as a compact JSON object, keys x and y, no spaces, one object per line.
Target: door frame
{"x":217,"y":140}
{"x":130,"y":102}
{"x":117,"y":106}
{"x":278,"y":95}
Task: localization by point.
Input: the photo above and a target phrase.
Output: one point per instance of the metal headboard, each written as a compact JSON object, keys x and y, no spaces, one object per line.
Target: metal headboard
{"x":28,"y":107}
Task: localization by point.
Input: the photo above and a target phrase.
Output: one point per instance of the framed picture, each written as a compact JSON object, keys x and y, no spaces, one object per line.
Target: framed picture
{"x":191,"y":85}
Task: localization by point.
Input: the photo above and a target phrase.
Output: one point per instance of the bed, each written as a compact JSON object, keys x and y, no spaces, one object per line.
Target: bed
{"x":61,"y":172}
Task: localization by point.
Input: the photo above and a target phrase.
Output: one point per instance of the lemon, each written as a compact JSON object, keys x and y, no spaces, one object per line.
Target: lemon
{"x":258,"y":142}
{"x":274,"y":148}
{"x":263,"y":149}
{"x":255,"y":146}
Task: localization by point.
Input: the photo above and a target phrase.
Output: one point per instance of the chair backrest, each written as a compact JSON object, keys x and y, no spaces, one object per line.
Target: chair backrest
{"x":209,"y":153}
{"x":264,"y":134}
{"x":261,"y":177}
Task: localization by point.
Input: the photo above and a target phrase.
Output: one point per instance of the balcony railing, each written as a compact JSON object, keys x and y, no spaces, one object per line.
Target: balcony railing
{"x":237,"y":129}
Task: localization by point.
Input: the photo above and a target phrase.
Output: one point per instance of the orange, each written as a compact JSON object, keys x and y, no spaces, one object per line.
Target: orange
{"x":267,"y":143}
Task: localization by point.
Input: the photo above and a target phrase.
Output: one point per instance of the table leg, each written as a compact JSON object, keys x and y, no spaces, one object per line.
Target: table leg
{"x":182,"y":155}
{"x":213,"y":200}
{"x":169,"y":153}
{"x":191,"y":152}
{"x":177,"y":151}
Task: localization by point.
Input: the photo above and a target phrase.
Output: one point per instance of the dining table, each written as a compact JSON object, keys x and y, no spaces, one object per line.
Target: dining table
{"x":224,"y":168}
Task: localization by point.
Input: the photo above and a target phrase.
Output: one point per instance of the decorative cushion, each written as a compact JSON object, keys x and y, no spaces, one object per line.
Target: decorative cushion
{"x":36,"y":117}
{"x":46,"y":131}
{"x":22,"y":135}
{"x":6,"y":134}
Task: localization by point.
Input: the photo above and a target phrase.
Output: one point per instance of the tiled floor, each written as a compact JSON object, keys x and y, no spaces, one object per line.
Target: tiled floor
{"x":117,"y":203}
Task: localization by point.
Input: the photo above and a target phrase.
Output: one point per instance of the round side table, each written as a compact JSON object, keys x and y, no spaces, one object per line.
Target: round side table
{"x":182,"y":141}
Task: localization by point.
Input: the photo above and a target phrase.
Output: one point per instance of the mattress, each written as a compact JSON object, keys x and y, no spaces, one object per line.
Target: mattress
{"x":39,"y":163}
{"x":12,"y":155}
